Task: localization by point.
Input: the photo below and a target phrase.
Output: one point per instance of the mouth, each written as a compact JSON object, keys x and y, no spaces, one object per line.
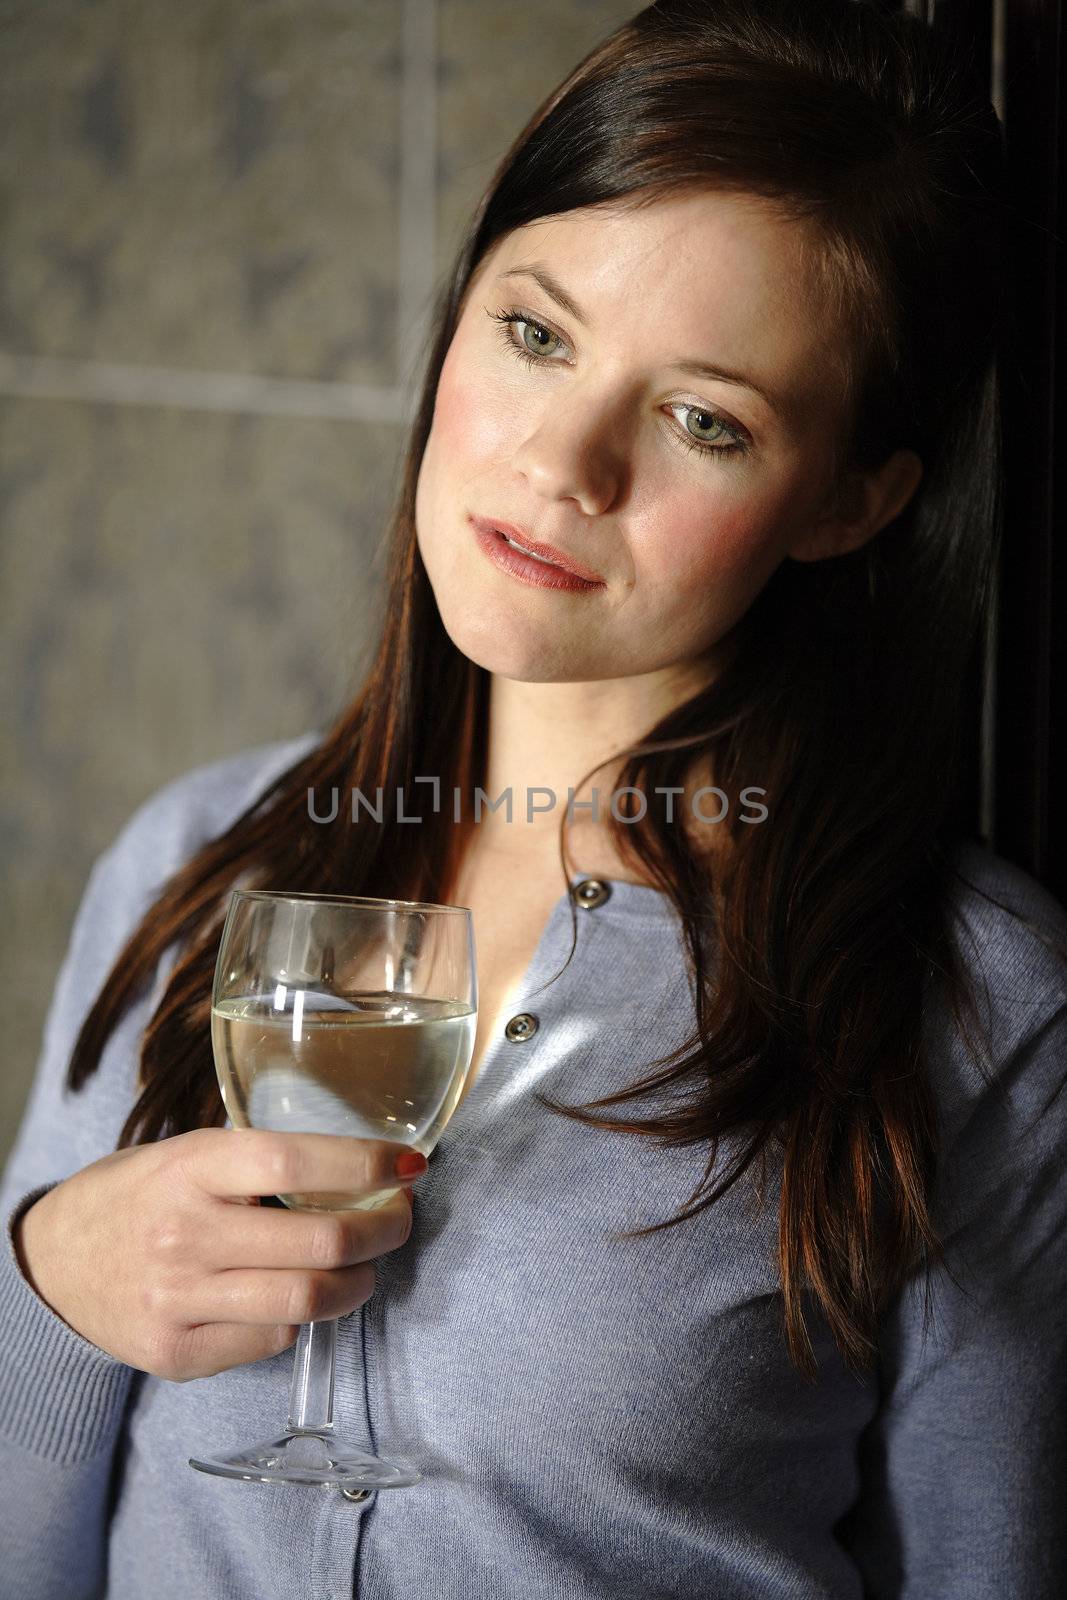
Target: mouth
{"x":532,"y":553}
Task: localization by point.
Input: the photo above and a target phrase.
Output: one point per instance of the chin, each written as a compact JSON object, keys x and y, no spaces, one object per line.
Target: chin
{"x":510,"y":646}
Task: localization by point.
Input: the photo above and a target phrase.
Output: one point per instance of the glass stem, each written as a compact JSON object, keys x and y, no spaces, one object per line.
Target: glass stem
{"x":311,"y":1394}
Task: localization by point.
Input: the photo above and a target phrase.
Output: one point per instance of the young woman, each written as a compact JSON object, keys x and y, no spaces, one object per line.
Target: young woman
{"x":739,"y":1270}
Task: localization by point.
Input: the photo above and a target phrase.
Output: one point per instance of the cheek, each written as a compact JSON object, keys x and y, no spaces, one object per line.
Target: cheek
{"x":464,"y":446}
{"x":469,"y":423}
{"x":721,"y":541}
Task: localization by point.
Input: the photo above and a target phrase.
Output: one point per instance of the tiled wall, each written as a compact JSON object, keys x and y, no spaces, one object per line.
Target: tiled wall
{"x":222,"y":225}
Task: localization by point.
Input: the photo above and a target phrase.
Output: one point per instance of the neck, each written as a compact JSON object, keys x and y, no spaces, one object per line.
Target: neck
{"x":542,"y":741}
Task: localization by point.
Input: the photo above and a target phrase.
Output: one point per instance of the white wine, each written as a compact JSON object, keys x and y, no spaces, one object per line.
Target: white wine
{"x":373,"y":1066}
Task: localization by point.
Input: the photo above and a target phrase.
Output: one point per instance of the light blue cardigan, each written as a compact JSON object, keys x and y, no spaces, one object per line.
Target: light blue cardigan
{"x":594,"y":1419}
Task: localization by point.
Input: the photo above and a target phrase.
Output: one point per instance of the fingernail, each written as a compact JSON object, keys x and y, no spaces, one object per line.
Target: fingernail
{"x":410,"y":1164}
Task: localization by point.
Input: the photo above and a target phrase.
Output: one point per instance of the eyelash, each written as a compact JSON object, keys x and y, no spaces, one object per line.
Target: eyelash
{"x":506,"y":320}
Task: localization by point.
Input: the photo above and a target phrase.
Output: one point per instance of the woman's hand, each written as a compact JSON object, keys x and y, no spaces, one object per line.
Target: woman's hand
{"x":158,"y":1255}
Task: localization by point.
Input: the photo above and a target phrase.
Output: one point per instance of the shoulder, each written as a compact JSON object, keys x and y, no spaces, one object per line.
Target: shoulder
{"x":1011,"y":930}
{"x":168,"y":827}
{"x":124,"y":882}
{"x":983,"y":876}
{"x":203,"y":802}
{"x":1010,"y":934}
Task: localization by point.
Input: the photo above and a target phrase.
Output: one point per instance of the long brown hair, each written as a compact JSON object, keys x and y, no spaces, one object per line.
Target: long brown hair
{"x":842,"y":698}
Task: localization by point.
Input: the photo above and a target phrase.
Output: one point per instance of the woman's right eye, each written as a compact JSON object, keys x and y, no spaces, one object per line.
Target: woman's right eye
{"x":510,"y":322}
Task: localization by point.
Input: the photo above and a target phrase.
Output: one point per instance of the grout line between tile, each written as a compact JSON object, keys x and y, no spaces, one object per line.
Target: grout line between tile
{"x":118,"y":383}
{"x":126,"y":383}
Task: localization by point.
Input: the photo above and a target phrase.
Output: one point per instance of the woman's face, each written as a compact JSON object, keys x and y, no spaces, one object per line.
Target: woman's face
{"x":580,"y":426}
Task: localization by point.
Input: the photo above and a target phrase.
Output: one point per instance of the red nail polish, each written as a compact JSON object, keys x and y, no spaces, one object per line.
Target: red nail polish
{"x":410,"y":1164}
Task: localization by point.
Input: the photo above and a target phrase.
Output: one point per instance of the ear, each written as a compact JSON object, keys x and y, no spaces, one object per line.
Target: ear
{"x":864,"y":504}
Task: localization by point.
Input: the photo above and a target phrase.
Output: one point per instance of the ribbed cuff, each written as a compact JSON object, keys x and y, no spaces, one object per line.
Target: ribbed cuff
{"x":61,"y":1396}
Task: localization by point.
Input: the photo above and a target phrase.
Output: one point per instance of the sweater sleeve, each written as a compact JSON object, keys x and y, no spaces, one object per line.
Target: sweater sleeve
{"x":963,"y":1468}
{"x":62,"y":1398}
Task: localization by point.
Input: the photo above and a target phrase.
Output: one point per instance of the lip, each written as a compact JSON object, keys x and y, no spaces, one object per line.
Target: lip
{"x":563,"y":573}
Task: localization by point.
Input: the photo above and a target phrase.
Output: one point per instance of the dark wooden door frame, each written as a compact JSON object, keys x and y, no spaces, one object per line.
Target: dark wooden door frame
{"x":1019,"y":694}
{"x":1031,"y":670}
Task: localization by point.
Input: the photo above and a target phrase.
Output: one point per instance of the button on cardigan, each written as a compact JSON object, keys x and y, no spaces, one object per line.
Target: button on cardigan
{"x":595,"y":1418}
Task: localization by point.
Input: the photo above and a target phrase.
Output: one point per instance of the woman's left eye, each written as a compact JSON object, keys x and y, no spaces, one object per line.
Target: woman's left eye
{"x":515,"y":341}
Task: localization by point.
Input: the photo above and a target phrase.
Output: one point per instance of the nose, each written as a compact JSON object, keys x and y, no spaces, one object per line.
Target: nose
{"x":570,"y":454}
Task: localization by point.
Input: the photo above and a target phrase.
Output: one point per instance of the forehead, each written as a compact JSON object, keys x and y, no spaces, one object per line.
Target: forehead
{"x":707,"y":275}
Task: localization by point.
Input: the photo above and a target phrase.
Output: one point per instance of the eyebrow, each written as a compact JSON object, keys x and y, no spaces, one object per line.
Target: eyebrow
{"x":699,"y":369}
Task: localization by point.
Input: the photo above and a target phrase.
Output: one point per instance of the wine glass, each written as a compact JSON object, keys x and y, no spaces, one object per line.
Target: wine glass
{"x":338,"y":1014}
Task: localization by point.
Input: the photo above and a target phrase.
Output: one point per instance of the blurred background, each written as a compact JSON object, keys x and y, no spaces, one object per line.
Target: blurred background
{"x":223,"y":224}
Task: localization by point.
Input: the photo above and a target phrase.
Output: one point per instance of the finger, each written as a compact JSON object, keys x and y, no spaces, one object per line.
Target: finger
{"x":262,"y":1236}
{"x":246,"y":1161}
{"x":280,"y":1297}
{"x":213,"y":1347}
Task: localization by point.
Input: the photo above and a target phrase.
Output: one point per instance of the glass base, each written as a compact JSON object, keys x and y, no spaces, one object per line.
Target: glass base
{"x":311,"y":1457}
